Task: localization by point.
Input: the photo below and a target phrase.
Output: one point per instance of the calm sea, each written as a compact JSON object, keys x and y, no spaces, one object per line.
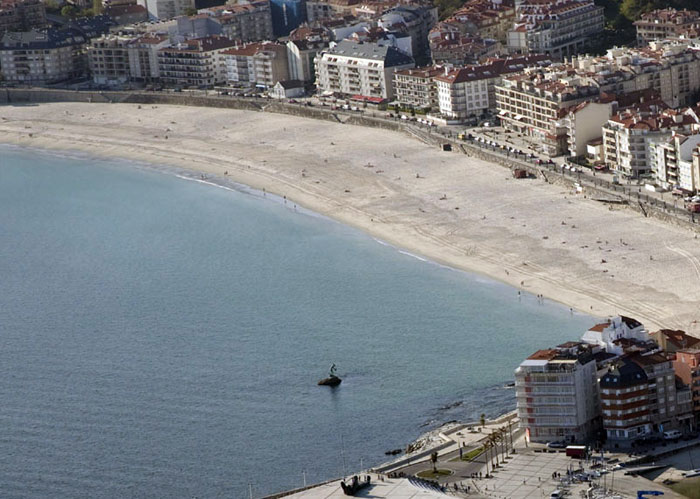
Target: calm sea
{"x":160,"y":337}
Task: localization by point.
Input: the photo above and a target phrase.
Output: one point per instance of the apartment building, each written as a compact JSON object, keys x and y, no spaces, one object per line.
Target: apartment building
{"x":417,"y":88}
{"x":40,"y":57}
{"x":143,"y":56}
{"x":21,"y":15}
{"x":667,"y":23}
{"x":317,"y":10}
{"x":194,"y":63}
{"x":245,"y":21}
{"x":624,"y":396}
{"x":557,"y":394}
{"x":463,"y":93}
{"x":166,"y":9}
{"x":664,"y":409}
{"x":415,"y":21}
{"x":534,"y":102}
{"x":471,"y":90}
{"x":261,"y":64}
{"x":583,"y":124}
{"x":460,"y":50}
{"x":559,"y":28}
{"x":108,"y":59}
{"x":687,"y":368}
{"x":631,"y":136}
{"x":364,"y":69}
{"x":674,"y":166}
{"x":484,"y":19}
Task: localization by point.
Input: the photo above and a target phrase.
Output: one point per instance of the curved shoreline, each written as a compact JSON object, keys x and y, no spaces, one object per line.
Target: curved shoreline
{"x":354,"y":179}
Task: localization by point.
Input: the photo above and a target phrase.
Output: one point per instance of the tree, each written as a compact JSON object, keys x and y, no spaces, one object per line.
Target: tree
{"x":190,"y":11}
{"x":482,"y":420}
{"x":69,"y":11}
{"x":433,"y":459}
{"x":97,"y":7}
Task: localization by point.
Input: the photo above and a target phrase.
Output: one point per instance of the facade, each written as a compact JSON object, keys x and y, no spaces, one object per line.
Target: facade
{"x":557,"y":395}
{"x":533,"y":103}
{"x":287,"y":89}
{"x":194,"y":63}
{"x":143,"y":56}
{"x":667,"y":23}
{"x":664,"y":410}
{"x":583,"y":124}
{"x":416,"y":88}
{"x":108,"y":59}
{"x":287,"y":15}
{"x":412,"y":20}
{"x":365,"y":69}
{"x":461,"y":91}
{"x":261,"y":64}
{"x":245,"y":22}
{"x":624,"y":396}
{"x":674,"y":166}
{"x":42,"y":57}
{"x":301,"y":55}
{"x":166,"y":9}
{"x":687,"y":367}
{"x":21,"y":15}
{"x":559,"y":28}
{"x":631,"y":136}
{"x":317,"y":10}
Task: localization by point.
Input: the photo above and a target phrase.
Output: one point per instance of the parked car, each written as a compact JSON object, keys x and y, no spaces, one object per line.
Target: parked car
{"x":560,"y":444}
{"x":673,"y":434}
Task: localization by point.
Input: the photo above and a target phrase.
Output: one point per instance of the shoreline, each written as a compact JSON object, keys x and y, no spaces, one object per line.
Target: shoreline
{"x":352,"y":189}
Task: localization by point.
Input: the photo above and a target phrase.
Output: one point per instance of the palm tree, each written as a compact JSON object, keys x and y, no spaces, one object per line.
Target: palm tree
{"x":482,"y":420}
{"x":492,"y":443}
{"x":487,"y":447}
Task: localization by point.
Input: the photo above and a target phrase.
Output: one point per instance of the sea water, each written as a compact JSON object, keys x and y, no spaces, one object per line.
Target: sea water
{"x":161,"y":337}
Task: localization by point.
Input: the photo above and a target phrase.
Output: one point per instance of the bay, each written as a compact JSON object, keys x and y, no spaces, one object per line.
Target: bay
{"x":161,"y":337}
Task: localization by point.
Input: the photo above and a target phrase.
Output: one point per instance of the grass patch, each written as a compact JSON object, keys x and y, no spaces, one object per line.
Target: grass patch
{"x":469,"y":455}
{"x":690,"y":487}
{"x":433,"y":474}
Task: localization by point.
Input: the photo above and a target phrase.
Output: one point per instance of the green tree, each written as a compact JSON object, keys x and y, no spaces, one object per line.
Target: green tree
{"x":97,"y":7}
{"x":190,"y":11}
{"x":69,"y":11}
{"x":434,"y":459}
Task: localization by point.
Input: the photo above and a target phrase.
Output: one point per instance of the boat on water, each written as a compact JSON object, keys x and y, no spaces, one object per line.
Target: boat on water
{"x":332,"y":380}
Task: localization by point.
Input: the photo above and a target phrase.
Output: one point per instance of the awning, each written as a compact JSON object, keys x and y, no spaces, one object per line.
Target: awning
{"x":518,"y":117}
{"x":503,"y":113}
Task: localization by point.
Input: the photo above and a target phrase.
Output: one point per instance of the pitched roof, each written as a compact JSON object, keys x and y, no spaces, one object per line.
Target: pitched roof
{"x":390,"y":55}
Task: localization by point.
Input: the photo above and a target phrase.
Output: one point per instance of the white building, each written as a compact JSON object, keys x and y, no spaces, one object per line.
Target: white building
{"x":630,"y":137}
{"x":584,"y":123}
{"x":194,"y":63}
{"x":608,"y":334}
{"x":364,"y":69}
{"x":674,"y":162}
{"x":143,"y":56}
{"x":558,"y":28}
{"x":166,"y":9}
{"x":463,"y":93}
{"x":557,"y":394}
{"x":262,"y":64}
{"x":108,"y":59}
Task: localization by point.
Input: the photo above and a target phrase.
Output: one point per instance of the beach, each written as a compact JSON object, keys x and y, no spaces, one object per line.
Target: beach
{"x":456,"y":210}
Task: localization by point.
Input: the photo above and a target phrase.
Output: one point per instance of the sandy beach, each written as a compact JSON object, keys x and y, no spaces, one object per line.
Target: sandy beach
{"x":451,"y":208}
